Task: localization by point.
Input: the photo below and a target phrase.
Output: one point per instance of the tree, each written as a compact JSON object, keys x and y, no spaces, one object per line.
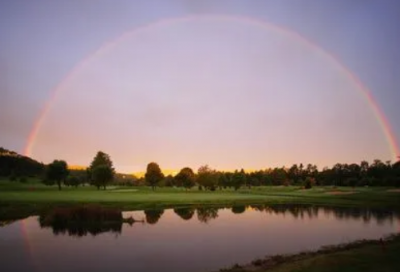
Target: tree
{"x":168,"y":181}
{"x":153,"y":175}
{"x":72,"y":181}
{"x":294,"y":174}
{"x":57,"y":172}
{"x":102,"y":175}
{"x":308,"y":183}
{"x":238,"y":179}
{"x":101,"y":170}
{"x":207,"y":177}
{"x":185,"y":178}
{"x":101,"y":158}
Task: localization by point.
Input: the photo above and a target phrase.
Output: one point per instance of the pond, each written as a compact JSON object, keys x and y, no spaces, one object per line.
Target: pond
{"x":190,"y":240}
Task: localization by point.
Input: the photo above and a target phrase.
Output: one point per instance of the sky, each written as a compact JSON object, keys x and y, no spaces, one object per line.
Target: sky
{"x":188,"y":83}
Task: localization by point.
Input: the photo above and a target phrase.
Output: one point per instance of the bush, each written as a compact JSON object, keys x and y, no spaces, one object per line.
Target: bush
{"x":23,"y":180}
{"x":13,"y":177}
{"x":257,"y":262}
{"x":308,"y":183}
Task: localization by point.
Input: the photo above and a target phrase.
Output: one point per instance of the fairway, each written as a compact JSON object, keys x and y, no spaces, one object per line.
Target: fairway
{"x":18,"y":200}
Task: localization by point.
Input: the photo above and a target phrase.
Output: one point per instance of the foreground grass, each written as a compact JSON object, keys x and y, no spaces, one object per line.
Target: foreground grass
{"x":372,"y":255}
{"x":20,"y":200}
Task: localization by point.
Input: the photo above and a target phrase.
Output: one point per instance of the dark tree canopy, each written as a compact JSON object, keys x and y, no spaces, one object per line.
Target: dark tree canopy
{"x":57,"y":172}
{"x":102,"y":175}
{"x":153,"y":175}
{"x":101,"y":170}
{"x":15,"y":165}
{"x":185,"y":178}
{"x":207,"y":177}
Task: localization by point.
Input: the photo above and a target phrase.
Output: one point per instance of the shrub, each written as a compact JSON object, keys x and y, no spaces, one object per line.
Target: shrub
{"x":13,"y":177}
{"x":257,"y":262}
{"x":23,"y":180}
{"x":308,"y":183}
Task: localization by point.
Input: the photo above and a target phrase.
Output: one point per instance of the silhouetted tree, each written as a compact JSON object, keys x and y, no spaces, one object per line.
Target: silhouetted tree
{"x":72,"y":181}
{"x":153,"y":175}
{"x":168,"y":181}
{"x":101,"y":170}
{"x":207,"y":177}
{"x":185,"y":178}
{"x":14,"y":165}
{"x":102,"y":175}
{"x":57,"y":172}
{"x":238,"y":179}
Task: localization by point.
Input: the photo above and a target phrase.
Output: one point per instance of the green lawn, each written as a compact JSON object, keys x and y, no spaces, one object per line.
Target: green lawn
{"x":32,"y":197}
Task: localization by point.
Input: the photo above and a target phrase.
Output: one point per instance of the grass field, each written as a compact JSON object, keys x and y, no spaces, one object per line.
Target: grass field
{"x":18,"y":200}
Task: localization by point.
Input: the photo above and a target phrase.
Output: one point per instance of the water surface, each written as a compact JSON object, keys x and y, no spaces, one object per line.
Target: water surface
{"x":190,"y":240}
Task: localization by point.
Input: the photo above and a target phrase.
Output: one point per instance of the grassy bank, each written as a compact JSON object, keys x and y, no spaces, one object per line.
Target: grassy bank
{"x":21,"y":200}
{"x":366,"y":255}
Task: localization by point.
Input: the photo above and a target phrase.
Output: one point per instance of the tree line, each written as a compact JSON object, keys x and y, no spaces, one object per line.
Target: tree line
{"x":18,"y":167}
{"x":101,"y":173}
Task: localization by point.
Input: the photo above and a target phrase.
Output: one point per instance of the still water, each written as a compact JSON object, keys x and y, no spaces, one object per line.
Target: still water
{"x":190,"y":240}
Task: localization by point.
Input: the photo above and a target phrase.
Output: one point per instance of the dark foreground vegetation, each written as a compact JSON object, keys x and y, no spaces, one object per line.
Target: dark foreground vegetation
{"x":363,"y":255}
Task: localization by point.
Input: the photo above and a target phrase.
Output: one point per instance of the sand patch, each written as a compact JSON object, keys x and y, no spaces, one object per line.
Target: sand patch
{"x":394,"y":190}
{"x":339,"y":193}
{"x":124,"y":190}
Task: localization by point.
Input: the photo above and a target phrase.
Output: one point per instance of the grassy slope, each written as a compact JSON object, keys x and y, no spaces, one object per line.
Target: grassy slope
{"x":368,"y":256}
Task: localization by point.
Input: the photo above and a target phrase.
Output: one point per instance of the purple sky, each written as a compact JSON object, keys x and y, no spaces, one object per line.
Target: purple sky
{"x":223,"y":92}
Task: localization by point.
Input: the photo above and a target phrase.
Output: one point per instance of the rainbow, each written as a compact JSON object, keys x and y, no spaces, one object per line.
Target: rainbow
{"x":363,"y":90}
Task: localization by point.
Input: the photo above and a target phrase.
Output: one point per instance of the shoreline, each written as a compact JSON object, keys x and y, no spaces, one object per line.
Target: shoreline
{"x":385,"y":248}
{"x":33,"y":199}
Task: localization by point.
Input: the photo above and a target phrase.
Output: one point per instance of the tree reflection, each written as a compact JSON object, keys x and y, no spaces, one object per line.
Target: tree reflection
{"x":83,"y":220}
{"x":184,"y":213}
{"x":340,"y":213}
{"x":83,"y":229}
{"x":205,"y":214}
{"x":238,"y":209}
{"x":152,"y":216}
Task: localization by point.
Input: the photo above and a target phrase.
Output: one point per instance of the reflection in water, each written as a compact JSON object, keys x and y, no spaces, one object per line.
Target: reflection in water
{"x":4,"y":223}
{"x":239,"y":209}
{"x":185,"y":213}
{"x":83,"y":220}
{"x":205,"y":214}
{"x":341,"y":213}
{"x":152,"y":216}
{"x":189,"y":245}
{"x":83,"y":229}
